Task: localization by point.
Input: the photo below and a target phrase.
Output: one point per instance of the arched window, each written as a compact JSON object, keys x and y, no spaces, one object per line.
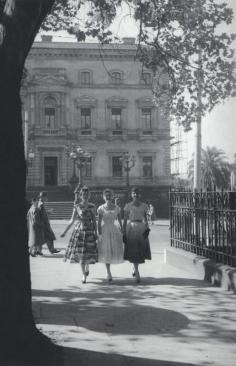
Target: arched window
{"x":50,"y":120}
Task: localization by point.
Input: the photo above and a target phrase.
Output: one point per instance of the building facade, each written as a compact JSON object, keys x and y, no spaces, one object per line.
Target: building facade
{"x":99,"y":98}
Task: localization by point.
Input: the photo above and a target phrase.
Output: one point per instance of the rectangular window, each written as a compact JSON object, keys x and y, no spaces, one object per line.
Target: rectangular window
{"x":116,"y":78}
{"x":87,"y":168}
{"x":147,"y":119}
{"x":85,"y":114}
{"x":146,"y":78}
{"x":117,"y":169}
{"x":116,"y":120}
{"x":85,"y":77}
{"x":49,"y":114}
{"x":147,"y":166}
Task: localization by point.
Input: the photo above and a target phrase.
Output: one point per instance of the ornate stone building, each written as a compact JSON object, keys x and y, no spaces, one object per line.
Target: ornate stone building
{"x":100,"y":98}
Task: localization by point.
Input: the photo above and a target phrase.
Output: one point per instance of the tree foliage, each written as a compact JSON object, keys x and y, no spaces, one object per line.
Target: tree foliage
{"x":179,"y":40}
{"x":215,"y":169}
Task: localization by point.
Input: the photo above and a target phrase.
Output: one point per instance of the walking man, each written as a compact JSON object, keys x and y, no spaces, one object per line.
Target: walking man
{"x":48,"y":234}
{"x":34,"y":229}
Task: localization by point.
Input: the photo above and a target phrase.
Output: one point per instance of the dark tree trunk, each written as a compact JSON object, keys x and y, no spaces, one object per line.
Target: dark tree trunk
{"x":21,"y":20}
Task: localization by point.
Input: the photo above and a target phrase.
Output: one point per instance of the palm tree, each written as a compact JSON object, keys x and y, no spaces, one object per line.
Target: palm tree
{"x":215,"y":169}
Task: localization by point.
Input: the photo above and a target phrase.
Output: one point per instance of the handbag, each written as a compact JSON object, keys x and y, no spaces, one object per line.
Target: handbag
{"x":146,"y":232}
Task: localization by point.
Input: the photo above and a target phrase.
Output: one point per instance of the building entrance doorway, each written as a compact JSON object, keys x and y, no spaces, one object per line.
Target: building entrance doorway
{"x":50,"y":171}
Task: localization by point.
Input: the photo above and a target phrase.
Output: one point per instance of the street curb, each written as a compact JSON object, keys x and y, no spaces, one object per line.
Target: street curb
{"x":205,"y":269}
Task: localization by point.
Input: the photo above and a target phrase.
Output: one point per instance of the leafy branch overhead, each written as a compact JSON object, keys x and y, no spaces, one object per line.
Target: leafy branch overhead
{"x":179,"y":40}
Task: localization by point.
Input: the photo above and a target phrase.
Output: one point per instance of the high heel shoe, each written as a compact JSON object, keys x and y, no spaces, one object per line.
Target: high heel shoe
{"x":109,"y":278}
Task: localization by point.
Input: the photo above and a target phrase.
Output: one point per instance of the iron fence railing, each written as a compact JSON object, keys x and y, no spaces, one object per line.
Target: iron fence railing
{"x":204,"y":223}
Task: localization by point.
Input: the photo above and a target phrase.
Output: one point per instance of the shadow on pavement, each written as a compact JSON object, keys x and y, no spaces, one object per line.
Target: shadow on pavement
{"x":152,"y":281}
{"x":107,"y":309}
{"x":124,"y":308}
{"x":126,"y":320}
{"x":66,"y":356}
{"x":75,"y":357}
{"x":56,"y":255}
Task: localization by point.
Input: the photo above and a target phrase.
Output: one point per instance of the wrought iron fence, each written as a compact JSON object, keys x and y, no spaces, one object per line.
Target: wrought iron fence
{"x":204,"y":223}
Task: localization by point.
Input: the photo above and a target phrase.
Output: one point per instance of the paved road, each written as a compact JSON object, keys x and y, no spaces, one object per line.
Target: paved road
{"x":169,"y":319}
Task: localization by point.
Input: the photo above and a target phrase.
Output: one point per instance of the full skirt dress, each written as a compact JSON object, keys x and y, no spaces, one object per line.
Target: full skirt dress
{"x":137,"y":247}
{"x":82,"y":247}
{"x":110,"y":243}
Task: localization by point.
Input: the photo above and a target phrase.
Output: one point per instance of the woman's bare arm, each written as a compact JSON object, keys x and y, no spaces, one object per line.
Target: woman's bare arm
{"x":70,"y":223}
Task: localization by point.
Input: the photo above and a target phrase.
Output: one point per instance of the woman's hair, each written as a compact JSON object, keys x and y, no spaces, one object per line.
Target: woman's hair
{"x":107,"y":190}
{"x":117,"y":199}
{"x":83,"y":189}
{"x":34,"y":199}
{"x":135,"y":189}
{"x":42,"y":194}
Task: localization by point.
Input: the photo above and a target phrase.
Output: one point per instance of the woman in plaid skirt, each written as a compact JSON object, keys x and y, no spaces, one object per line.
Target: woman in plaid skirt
{"x":82,"y":247}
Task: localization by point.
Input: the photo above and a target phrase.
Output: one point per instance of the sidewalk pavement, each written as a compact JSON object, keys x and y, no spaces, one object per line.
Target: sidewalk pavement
{"x":169,"y":319}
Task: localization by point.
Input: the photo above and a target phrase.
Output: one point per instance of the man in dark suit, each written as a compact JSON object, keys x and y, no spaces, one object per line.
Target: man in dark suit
{"x":48,"y":234}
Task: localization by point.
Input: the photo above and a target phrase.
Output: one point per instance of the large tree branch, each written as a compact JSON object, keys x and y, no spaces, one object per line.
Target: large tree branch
{"x":19,"y":24}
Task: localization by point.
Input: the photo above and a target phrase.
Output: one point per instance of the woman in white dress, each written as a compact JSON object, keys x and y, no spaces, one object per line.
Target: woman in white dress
{"x":110,"y":243}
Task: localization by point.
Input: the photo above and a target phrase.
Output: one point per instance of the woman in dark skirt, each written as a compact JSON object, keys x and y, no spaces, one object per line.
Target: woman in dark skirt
{"x":137,"y":247}
{"x":82,"y":247}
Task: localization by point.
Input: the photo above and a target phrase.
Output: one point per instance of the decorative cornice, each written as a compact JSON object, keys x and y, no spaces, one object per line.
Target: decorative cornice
{"x":85,"y":100}
{"x":145,"y":102}
{"x":82,"y":51}
{"x":116,"y":101}
{"x":48,"y":79}
{"x":51,"y":148}
{"x":122,"y":86}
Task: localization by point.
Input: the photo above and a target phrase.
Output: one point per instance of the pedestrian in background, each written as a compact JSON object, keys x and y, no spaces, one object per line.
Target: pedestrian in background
{"x":77,"y":194}
{"x":47,"y":232}
{"x":118,"y":202}
{"x":151,"y":214}
{"x":34,"y":228}
{"x":110,"y":243}
{"x":136,"y":229}
{"x":82,"y":247}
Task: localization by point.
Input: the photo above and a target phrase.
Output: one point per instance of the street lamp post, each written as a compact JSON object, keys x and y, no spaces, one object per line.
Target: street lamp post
{"x":79,"y":158}
{"x":29,"y":161}
{"x":128,"y":162}
{"x":232,"y":181}
{"x":26,"y":133}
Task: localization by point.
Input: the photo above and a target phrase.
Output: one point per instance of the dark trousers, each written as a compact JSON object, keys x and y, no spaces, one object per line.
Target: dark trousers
{"x":50,"y":245}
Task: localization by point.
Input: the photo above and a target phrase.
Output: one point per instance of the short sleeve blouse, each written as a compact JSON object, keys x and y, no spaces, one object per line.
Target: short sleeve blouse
{"x":136,"y":212}
{"x":101,"y":210}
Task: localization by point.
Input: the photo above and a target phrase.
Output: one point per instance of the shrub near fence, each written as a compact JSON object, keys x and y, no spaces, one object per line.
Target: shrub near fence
{"x":204,"y":223}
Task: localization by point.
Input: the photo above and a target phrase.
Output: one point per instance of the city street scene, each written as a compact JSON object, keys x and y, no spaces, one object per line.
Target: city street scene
{"x":118,"y":183}
{"x":171,"y":318}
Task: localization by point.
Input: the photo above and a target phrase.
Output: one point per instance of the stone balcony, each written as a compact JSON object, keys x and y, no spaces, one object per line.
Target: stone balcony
{"x":58,"y":132}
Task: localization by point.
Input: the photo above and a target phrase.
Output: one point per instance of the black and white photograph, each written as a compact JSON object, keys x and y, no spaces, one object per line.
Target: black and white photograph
{"x":117,"y":183}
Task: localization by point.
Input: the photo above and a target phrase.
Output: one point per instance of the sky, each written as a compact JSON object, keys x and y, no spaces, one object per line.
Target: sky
{"x":218,"y":127}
